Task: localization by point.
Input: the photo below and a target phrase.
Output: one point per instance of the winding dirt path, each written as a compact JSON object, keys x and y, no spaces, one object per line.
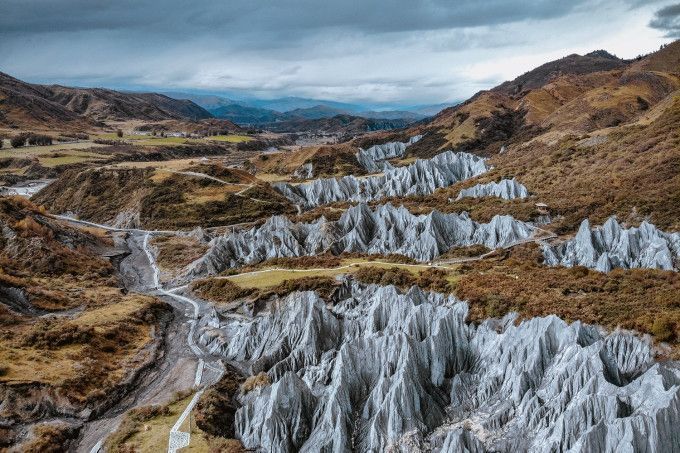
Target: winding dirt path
{"x":182,"y":357}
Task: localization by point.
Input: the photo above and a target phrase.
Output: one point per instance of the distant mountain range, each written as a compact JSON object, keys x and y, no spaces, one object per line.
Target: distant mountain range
{"x":54,"y":107}
{"x":262,"y":112}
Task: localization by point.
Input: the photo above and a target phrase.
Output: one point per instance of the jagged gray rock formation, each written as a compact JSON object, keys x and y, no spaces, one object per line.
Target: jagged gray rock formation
{"x":304,"y":171}
{"x":373,"y":159}
{"x":385,"y":229}
{"x":508,"y":189}
{"x":419,"y":178}
{"x":611,"y":245}
{"x":382,"y":371}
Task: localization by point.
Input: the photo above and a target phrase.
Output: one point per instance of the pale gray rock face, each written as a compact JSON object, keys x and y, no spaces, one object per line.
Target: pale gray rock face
{"x":382,"y":371}
{"x":304,"y":171}
{"x":383,"y":230}
{"x":611,"y":246}
{"x":507,"y":189}
{"x":419,"y":178}
{"x":373,"y":159}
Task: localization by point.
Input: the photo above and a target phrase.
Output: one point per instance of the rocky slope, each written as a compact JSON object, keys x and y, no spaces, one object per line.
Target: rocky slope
{"x":506,"y":189}
{"x":372,"y":159}
{"x":419,"y":178}
{"x":611,"y":246}
{"x":385,"y":229}
{"x":382,"y":371}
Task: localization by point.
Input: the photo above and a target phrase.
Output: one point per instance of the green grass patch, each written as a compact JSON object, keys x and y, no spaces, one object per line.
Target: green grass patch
{"x":230,"y":138}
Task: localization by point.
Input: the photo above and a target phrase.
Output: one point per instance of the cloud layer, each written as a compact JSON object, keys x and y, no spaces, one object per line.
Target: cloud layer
{"x":390,"y":51}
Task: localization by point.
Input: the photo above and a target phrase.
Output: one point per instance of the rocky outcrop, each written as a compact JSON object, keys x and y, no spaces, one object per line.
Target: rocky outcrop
{"x":611,"y":246}
{"x":374,"y":158}
{"x":304,"y":171}
{"x":383,"y":230}
{"x":507,"y":189}
{"x":419,"y":178}
{"x":377,"y":370}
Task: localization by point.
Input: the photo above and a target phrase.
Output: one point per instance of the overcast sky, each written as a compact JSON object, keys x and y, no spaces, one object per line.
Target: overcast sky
{"x":390,"y":51}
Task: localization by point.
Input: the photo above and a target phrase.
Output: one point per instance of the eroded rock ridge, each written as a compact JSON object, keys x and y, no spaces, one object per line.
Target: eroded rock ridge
{"x":383,"y":230}
{"x":611,"y":246}
{"x":374,"y":159}
{"x":419,"y":178}
{"x":377,"y":370}
{"x":507,"y":189}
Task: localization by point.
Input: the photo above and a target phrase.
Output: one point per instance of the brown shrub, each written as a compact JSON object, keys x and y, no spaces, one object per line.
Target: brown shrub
{"x":220,"y":290}
{"x":51,"y":438}
{"x":434,"y":279}
{"x":217,"y":407}
{"x":259,"y":380}
{"x":220,"y":445}
{"x":324,"y":286}
{"x":392,"y":276}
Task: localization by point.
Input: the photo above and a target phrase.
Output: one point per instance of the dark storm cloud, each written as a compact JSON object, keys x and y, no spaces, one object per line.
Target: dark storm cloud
{"x":235,"y":16}
{"x":420,"y":50}
{"x":668,"y":20}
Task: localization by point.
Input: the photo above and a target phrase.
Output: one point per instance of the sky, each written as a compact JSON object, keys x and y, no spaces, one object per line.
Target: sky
{"x":390,"y":52}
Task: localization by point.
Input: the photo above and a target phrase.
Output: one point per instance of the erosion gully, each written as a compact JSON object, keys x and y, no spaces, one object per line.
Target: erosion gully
{"x":182,"y":365}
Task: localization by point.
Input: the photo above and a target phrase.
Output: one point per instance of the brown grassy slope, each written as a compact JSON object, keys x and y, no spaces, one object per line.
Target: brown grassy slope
{"x":554,"y":100}
{"x":326,"y":160}
{"x":78,"y":359}
{"x":163,"y":200}
{"x":644,"y":300}
{"x":25,"y":106}
{"x":634,"y":174}
{"x":97,"y":194}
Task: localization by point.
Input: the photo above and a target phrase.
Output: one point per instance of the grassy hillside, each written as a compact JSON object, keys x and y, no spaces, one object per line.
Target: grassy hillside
{"x":69,"y":337}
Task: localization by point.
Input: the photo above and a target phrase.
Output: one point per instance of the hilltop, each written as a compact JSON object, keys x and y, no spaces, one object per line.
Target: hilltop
{"x":26,"y":105}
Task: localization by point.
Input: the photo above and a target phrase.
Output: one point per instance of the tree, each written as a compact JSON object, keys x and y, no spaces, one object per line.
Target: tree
{"x":119,"y":133}
{"x":18,"y":141}
{"x":39,"y":139}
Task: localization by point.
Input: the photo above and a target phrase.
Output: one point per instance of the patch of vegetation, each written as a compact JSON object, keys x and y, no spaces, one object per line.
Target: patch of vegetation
{"x":51,"y":438}
{"x":432,"y":279}
{"x":220,"y":290}
{"x":176,"y":252}
{"x":252,"y":382}
{"x":217,"y":406}
{"x":641,"y":299}
{"x":132,"y":424}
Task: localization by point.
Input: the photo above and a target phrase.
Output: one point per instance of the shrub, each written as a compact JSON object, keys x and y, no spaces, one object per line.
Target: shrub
{"x":220,"y":290}
{"x":392,"y":276}
{"x":39,"y":140}
{"x":323,"y":286}
{"x":220,"y":445}
{"x":259,"y":380}
{"x":18,"y":141}
{"x":434,"y":279}
{"x":51,"y":438}
{"x":217,"y":407}
{"x":663,"y":328}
